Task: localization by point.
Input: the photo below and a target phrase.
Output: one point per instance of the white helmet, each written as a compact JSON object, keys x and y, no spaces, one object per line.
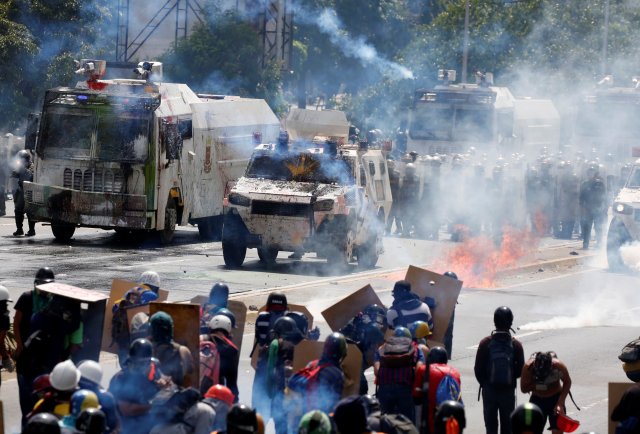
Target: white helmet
{"x":91,"y":370}
{"x":65,"y":376}
{"x":220,"y":322}
{"x":4,"y":294}
{"x":150,"y":278}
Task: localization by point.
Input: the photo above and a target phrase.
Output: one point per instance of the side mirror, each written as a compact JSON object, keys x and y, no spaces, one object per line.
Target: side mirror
{"x":31,"y":133}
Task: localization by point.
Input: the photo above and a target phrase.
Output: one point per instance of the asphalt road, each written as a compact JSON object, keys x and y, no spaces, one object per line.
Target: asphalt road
{"x":581,"y":311}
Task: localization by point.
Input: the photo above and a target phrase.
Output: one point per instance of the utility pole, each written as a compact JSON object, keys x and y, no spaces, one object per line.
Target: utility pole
{"x":605,"y":39}
{"x":465,"y":44}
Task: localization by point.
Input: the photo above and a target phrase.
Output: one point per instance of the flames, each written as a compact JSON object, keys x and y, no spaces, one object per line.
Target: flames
{"x":478,"y":260}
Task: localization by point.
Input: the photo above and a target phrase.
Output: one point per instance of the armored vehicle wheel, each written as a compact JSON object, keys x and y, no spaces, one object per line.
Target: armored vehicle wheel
{"x":267,"y":255}
{"x":62,"y":231}
{"x":341,"y":252}
{"x":210,"y":228}
{"x":616,"y":238}
{"x":233,"y":253}
{"x":170,"y":219}
{"x":367,"y":254}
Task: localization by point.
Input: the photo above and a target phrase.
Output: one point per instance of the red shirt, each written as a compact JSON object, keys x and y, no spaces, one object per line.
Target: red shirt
{"x":436,"y":372}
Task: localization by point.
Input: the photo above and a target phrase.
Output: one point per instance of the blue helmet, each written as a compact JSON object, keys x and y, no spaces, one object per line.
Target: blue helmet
{"x":402,"y":332}
{"x":81,"y":400}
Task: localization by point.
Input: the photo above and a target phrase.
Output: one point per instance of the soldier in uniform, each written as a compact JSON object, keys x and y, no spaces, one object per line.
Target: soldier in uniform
{"x":23,"y":171}
{"x":394,"y":183}
{"x":567,"y":208}
{"x":593,"y":206}
{"x":409,"y":196}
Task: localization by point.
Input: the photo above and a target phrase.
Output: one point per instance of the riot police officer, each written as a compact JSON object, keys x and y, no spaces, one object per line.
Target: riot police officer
{"x":23,"y":171}
{"x":593,"y":206}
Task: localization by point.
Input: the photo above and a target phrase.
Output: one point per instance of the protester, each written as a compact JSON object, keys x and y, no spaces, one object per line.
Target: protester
{"x":627,"y":411}
{"x":407,"y":307}
{"x":219,"y":364}
{"x":450,"y":418}
{"x":548,"y":380}
{"x":218,"y":299}
{"x":527,"y":418}
{"x":242,"y":420}
{"x":80,"y":400}
{"x":315,"y":422}
{"x":64,"y":379}
{"x":90,"y":379}
{"x":420,"y":332}
{"x":5,"y":325}
{"x":350,"y":416}
{"x":498,"y":365}
{"x":220,"y":399}
{"x":42,"y":423}
{"x":92,"y":421}
{"x":175,"y":360}
{"x":152,"y":280}
{"x":120,"y":330}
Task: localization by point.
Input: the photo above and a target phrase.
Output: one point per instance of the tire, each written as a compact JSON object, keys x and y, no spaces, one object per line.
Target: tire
{"x":233,"y":254}
{"x":170,"y":219}
{"x":367,"y":255}
{"x":340,"y":254}
{"x":267,"y":255}
{"x":210,"y":228}
{"x":616,"y":238}
{"x":62,"y":231}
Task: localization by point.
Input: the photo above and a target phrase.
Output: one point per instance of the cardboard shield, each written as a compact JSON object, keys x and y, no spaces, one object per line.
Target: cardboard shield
{"x":445,"y":292}
{"x":616,"y":390}
{"x":338,"y":315}
{"x":186,"y":331}
{"x":118,"y":288}
{"x":307,"y":351}
{"x":92,"y":308}
{"x":291,"y":307}
{"x":239,"y":310}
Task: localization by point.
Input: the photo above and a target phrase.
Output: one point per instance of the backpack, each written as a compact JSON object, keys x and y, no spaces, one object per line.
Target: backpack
{"x":448,"y":390}
{"x":631,"y":352}
{"x":500,"y":366}
{"x":306,"y":379}
{"x":171,"y":361}
{"x":120,"y":323}
{"x":209,"y":362}
{"x":397,"y":424}
{"x":396,"y":355}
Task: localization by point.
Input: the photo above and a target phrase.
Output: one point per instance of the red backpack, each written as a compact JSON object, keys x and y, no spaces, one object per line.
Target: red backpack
{"x":209,"y":362}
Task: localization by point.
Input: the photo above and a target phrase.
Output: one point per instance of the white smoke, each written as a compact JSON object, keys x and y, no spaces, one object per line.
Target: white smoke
{"x":630,"y":254}
{"x":358,"y":48}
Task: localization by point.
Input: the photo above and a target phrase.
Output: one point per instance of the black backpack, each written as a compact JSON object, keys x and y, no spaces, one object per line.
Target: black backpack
{"x":501,"y":355}
{"x":397,"y":424}
{"x":171,"y":361}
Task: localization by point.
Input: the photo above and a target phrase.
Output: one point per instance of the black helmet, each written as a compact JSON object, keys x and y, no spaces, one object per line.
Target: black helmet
{"x":44,"y":275}
{"x":91,"y":421}
{"x":437,"y":355}
{"x":447,"y":410}
{"x":226,"y":312}
{"x":219,"y":294}
{"x":161,"y":325}
{"x":25,"y":155}
{"x":527,"y":417}
{"x":242,"y":418}
{"x":375,"y":313}
{"x":42,"y":423}
{"x":285,"y":326}
{"x":140,"y":349}
{"x":503,"y":318}
{"x":276,"y":301}
{"x":451,"y":274}
{"x":335,"y":347}
{"x":371,"y":403}
{"x":401,"y":286}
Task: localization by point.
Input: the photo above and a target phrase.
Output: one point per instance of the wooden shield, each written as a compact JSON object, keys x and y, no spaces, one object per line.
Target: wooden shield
{"x":338,"y":315}
{"x":445,"y":292}
{"x":616,"y":390}
{"x":186,"y":331}
{"x":92,"y":308}
{"x":291,"y":307}
{"x":239,"y":310}
{"x":118,"y":288}
{"x":307,"y":351}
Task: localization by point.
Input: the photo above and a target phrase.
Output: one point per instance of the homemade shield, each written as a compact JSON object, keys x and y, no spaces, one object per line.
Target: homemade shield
{"x":239,"y":310}
{"x":616,"y":390}
{"x":307,"y":351}
{"x":338,"y":315}
{"x":444,"y":291}
{"x":92,"y":310}
{"x":186,"y":331}
{"x":118,"y":288}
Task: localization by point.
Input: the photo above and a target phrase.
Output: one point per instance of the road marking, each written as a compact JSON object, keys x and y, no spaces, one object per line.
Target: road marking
{"x":535,"y":332}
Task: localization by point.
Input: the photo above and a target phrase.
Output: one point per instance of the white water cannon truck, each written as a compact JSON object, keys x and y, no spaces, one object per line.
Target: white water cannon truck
{"x":139,"y":155}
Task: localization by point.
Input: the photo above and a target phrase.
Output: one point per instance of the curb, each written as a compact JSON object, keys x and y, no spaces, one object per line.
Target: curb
{"x":548,"y":264}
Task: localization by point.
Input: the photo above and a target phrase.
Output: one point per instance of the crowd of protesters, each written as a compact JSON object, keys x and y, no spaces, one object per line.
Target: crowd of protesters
{"x":157,"y":390}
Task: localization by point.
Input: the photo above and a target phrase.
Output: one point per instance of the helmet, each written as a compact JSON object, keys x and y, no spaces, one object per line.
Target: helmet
{"x":451,"y":274}
{"x":437,"y":355}
{"x":147,"y":295}
{"x":150,"y":278}
{"x":242,"y":418}
{"x":90,"y":370}
{"x":315,"y":422}
{"x":276,"y":301}
{"x":527,"y":417}
{"x":371,"y":403}
{"x":223,"y":393}
{"x":226,"y":312}
{"x":350,"y":415}
{"x":566,"y":424}
{"x":41,"y":384}
{"x":503,"y":318}
{"x":410,"y":169}
{"x":44,"y":275}
{"x":161,"y":327}
{"x":285,"y":326}
{"x":4,"y":294}
{"x":91,"y":421}
{"x":402,"y":332}
{"x":140,"y":325}
{"x":65,"y":376}
{"x":42,"y":423}
{"x":81,"y":400}
{"x":375,"y":314}
{"x":419,"y":330}
{"x":140,"y":349}
{"x":220,"y":322}
{"x":219,"y":294}
{"x":24,"y":154}
{"x":446,"y":410}
{"x":401,"y":286}
{"x":335,"y":347}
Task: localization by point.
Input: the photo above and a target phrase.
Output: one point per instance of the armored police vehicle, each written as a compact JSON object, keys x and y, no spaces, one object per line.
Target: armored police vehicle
{"x":625,"y":225}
